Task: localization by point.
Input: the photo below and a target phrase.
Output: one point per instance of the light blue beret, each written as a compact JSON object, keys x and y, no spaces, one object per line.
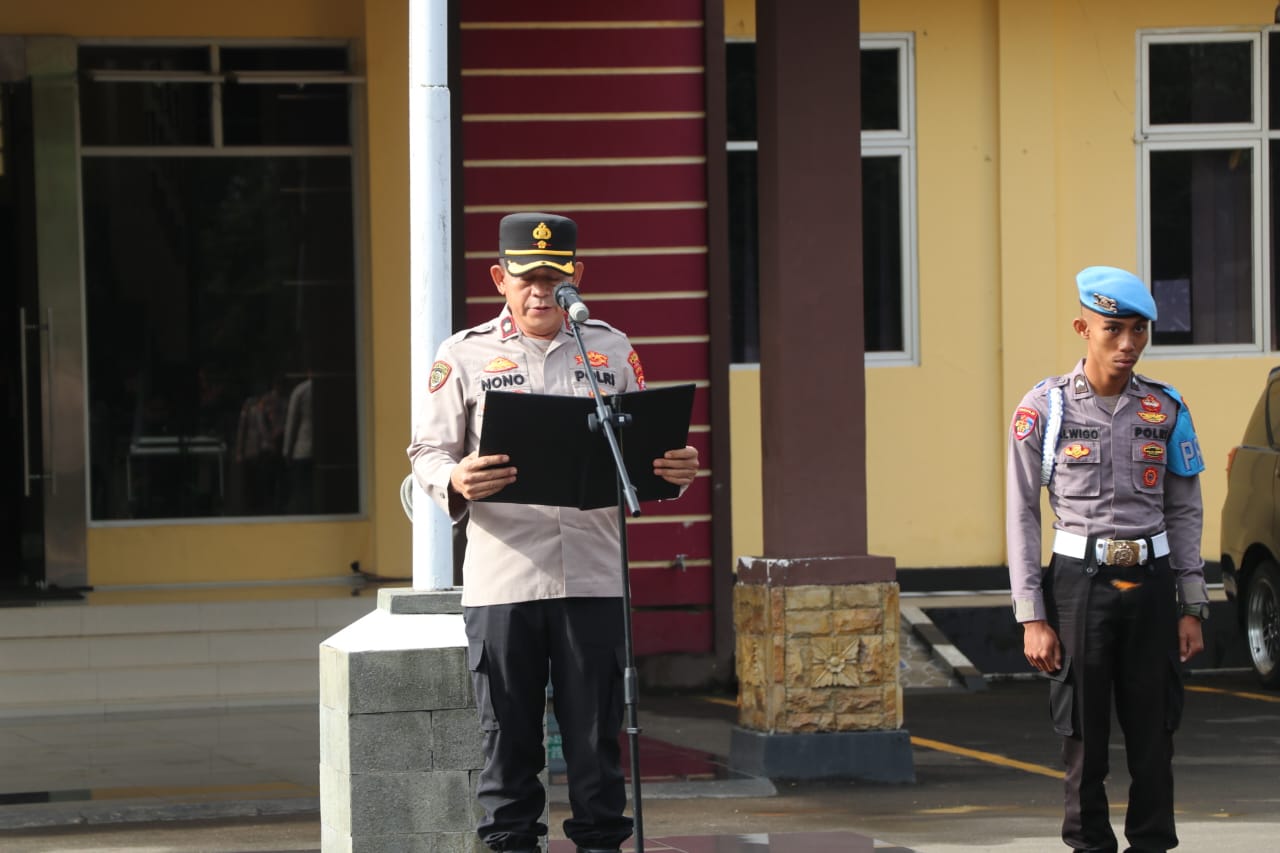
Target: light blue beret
{"x":1115,"y":293}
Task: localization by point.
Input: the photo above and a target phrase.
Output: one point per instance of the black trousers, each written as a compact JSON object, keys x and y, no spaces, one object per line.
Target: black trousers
{"x":512,"y":648}
{"x":1119,"y":634}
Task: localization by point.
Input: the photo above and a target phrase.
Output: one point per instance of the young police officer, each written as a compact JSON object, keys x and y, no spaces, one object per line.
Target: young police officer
{"x":541,"y":585}
{"x":1122,"y":600}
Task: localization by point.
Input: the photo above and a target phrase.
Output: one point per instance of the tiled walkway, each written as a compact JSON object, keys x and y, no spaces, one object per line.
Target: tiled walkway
{"x":795,"y":842}
{"x":155,"y":758}
{"x":98,"y":768}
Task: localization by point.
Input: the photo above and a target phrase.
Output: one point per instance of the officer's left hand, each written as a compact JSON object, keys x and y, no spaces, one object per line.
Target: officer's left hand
{"x":678,"y":467}
{"x":1190,"y":638}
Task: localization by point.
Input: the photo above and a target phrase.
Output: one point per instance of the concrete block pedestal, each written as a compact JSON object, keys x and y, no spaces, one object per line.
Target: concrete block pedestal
{"x":400,"y":744}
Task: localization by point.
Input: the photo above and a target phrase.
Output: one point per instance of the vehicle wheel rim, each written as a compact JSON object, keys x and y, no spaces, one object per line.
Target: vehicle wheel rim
{"x":1264,"y":626}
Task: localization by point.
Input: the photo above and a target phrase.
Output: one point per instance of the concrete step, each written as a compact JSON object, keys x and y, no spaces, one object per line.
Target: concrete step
{"x":91,"y":657}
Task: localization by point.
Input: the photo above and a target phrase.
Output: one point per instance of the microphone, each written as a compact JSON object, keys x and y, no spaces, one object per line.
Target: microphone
{"x":567,"y":298}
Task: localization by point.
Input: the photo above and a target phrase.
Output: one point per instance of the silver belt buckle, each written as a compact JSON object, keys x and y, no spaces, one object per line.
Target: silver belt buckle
{"x":1124,"y":553}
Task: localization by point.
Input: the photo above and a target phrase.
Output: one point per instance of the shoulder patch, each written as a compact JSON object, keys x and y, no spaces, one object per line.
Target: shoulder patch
{"x":634,"y":360}
{"x":1024,"y":422}
{"x":439,"y":373}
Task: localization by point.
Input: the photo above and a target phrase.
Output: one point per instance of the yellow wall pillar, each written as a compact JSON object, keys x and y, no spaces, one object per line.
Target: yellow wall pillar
{"x":1029,"y":279}
{"x":386,"y":61}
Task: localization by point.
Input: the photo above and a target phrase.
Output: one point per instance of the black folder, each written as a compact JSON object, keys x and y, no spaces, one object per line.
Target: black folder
{"x":560,"y":461}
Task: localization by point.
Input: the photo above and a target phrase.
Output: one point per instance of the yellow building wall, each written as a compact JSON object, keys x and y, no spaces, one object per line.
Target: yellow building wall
{"x":1026,"y":173}
{"x":261,"y":551}
{"x":1023,"y":178}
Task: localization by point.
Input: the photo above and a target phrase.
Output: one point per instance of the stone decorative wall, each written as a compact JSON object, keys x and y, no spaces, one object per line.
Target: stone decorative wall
{"x":820,"y":658}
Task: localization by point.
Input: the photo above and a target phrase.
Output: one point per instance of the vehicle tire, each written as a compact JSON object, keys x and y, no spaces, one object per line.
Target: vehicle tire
{"x":1262,"y":622}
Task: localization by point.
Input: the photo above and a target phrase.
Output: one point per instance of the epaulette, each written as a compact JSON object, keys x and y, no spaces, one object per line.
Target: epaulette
{"x":487,"y":326}
{"x":601,"y":324}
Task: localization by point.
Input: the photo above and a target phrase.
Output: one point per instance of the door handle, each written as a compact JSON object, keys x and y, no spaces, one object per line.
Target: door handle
{"x":26,"y":426}
{"x":23,"y":328}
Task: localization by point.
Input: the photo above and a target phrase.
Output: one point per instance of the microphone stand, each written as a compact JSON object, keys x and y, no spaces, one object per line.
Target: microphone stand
{"x":605,"y":420}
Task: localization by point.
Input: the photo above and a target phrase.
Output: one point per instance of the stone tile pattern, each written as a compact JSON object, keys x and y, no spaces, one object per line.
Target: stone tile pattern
{"x":920,"y":669}
{"x":400,"y":750}
{"x":818,"y":658}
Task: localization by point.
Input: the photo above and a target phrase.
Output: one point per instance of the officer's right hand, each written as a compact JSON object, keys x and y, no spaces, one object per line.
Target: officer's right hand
{"x":475,"y":477}
{"x":1041,"y":647}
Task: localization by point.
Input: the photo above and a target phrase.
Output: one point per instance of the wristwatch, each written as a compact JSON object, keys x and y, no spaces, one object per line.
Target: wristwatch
{"x":1200,"y":610}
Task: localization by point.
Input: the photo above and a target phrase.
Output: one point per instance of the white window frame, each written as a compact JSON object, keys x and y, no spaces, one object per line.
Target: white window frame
{"x":901,"y":143}
{"x":354,"y":150}
{"x":1252,"y":135}
{"x":893,"y":143}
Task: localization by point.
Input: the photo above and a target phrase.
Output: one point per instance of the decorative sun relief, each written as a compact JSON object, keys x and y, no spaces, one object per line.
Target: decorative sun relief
{"x":832,"y":664}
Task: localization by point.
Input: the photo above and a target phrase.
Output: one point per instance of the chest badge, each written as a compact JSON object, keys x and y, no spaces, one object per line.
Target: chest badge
{"x":1153,"y":417}
{"x":596,"y":359}
{"x":501,"y":364}
{"x":1150,"y":404}
{"x":1076,"y":450}
{"x":1153,"y":451}
{"x":1150,"y":477}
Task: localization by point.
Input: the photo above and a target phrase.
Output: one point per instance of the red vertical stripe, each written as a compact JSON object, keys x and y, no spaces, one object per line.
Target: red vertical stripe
{"x":598,"y":147}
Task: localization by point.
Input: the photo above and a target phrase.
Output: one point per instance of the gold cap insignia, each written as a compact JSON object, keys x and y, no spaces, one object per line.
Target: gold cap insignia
{"x":542,"y":234}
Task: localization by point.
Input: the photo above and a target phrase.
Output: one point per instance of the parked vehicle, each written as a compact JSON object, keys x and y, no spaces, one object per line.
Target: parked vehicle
{"x":1251,"y":532}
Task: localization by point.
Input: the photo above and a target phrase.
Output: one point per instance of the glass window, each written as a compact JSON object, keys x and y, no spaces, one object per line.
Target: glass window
{"x":1201,"y":82}
{"x":881,"y":89}
{"x":740,"y":77}
{"x":221,"y":325}
{"x":258,"y":112}
{"x":743,"y":258}
{"x":125,"y":98}
{"x":1206,"y":184}
{"x":1273,"y":413}
{"x":882,"y":252}
{"x":1202,"y":245}
{"x":888,"y":165}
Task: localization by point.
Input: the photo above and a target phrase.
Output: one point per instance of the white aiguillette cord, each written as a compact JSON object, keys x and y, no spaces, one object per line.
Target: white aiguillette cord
{"x":1049,"y":447}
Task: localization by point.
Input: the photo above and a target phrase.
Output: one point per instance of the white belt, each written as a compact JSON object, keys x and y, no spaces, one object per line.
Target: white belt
{"x":1110,"y":552}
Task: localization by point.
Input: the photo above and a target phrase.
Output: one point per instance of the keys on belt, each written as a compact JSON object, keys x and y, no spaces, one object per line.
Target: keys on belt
{"x":1121,"y":553}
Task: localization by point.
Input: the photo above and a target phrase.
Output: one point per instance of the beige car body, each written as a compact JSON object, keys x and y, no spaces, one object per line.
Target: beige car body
{"x":1251,"y":535}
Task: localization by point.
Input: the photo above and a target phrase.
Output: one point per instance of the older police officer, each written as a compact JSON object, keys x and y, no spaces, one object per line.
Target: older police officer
{"x":1121,"y":602}
{"x":541,"y":587}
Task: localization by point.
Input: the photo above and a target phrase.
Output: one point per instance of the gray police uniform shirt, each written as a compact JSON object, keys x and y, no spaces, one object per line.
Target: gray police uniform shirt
{"x":1110,"y":480}
{"x":520,"y":552}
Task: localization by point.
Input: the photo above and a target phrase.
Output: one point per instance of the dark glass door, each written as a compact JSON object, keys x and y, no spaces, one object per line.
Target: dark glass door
{"x":21,"y":386}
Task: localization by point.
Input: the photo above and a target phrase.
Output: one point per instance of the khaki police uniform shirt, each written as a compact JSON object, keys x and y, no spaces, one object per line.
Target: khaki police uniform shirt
{"x":1110,"y":480}
{"x":519,"y":552}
